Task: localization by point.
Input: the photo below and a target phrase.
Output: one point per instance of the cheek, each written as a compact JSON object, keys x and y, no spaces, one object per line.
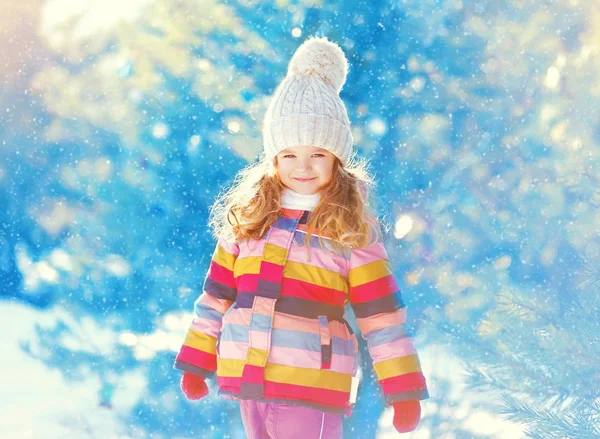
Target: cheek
{"x":326,"y":169}
{"x":281,"y":169}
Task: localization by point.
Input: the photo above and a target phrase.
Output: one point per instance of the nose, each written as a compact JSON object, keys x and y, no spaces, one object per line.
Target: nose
{"x":304,"y":164}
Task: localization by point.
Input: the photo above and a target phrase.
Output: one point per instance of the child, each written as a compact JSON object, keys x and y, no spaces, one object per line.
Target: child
{"x":296,"y":242}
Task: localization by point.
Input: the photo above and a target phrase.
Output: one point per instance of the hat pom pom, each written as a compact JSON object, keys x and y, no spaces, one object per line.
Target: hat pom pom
{"x":318,"y":56}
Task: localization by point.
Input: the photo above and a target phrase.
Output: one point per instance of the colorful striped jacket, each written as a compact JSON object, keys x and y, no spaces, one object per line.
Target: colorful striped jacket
{"x":270,"y":321}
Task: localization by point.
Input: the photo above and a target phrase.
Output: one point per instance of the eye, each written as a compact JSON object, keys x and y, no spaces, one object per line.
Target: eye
{"x":319,"y":154}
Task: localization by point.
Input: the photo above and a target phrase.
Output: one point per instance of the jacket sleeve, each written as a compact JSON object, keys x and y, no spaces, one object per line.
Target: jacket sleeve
{"x":198,"y":354}
{"x":381,"y":316}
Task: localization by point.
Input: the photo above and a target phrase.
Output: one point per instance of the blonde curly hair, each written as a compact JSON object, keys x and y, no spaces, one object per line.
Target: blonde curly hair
{"x":250,"y":206}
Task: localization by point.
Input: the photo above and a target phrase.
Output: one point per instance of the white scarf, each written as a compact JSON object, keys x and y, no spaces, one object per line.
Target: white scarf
{"x":293,"y":200}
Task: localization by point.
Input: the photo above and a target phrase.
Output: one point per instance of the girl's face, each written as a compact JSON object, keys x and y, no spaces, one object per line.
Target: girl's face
{"x":305,"y":169}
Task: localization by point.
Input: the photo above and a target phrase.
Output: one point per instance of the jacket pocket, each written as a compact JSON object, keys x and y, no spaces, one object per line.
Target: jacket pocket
{"x":223,"y":324}
{"x":351,"y":347}
{"x":326,"y":350}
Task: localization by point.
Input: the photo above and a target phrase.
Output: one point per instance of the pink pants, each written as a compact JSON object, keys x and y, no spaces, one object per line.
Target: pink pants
{"x":282,"y":421}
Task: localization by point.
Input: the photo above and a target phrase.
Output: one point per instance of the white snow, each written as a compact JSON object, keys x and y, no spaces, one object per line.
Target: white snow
{"x":37,"y":402}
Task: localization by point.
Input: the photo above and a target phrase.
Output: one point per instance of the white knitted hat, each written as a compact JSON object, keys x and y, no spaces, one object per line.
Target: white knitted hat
{"x":306,"y":108}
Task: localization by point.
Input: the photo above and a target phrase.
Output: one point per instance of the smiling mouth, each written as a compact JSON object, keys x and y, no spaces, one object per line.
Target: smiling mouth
{"x":305,"y":179}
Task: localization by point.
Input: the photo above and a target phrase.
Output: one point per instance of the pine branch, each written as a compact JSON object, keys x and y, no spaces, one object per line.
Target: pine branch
{"x":546,"y":422}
